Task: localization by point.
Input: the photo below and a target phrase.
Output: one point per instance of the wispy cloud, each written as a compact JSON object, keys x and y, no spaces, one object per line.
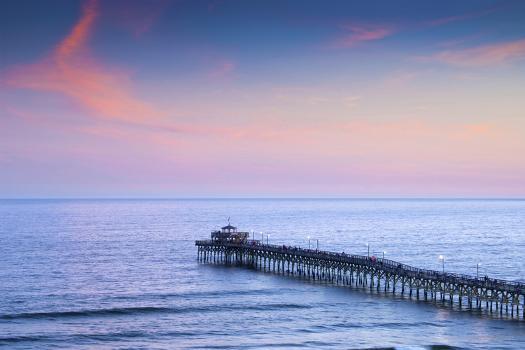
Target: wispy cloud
{"x":462,"y":17}
{"x":359,"y":33}
{"x":71,"y":71}
{"x":484,"y":55}
{"x":105,"y":93}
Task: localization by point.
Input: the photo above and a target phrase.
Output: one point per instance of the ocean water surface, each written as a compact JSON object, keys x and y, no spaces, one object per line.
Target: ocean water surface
{"x":123,"y":274}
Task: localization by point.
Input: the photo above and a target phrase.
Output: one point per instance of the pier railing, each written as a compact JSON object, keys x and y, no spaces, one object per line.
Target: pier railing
{"x":386,"y":265}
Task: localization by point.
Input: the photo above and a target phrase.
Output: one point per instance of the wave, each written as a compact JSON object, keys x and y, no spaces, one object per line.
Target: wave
{"x":124,"y":311}
{"x":201,"y":294}
{"x":83,"y":313}
{"x":91,"y":336}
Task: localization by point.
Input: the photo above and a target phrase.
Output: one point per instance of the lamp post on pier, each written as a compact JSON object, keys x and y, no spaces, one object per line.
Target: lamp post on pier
{"x":368,"y":253}
{"x":477,"y":269}
{"x":442,"y":259}
{"x":384,"y":252}
{"x":267,"y":235}
{"x":308,"y":237}
{"x":317,"y":245}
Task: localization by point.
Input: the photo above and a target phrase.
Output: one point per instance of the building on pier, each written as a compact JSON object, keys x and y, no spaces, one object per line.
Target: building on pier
{"x":229,"y":233}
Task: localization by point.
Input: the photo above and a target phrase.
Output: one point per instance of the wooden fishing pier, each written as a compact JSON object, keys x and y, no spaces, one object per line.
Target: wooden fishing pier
{"x":228,"y":246}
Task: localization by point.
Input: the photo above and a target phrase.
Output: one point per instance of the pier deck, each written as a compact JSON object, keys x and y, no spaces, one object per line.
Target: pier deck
{"x":494,"y":295}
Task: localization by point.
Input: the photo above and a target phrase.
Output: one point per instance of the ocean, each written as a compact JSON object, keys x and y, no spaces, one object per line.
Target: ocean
{"x":123,"y":274}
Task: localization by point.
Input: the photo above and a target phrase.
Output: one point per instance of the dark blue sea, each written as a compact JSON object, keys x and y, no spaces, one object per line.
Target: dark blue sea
{"x":123,"y":274}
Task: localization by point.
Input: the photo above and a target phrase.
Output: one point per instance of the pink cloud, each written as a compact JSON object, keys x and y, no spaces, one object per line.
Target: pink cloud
{"x":106,"y":93}
{"x":69,"y":70}
{"x":463,"y":17}
{"x":361,"y":33}
{"x":484,"y":55}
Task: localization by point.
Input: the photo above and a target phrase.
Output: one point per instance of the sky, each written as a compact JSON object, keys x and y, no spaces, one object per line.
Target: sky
{"x":216,"y":98}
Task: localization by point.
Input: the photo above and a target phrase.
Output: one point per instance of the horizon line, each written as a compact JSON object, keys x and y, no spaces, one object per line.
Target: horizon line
{"x":272,"y":198}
